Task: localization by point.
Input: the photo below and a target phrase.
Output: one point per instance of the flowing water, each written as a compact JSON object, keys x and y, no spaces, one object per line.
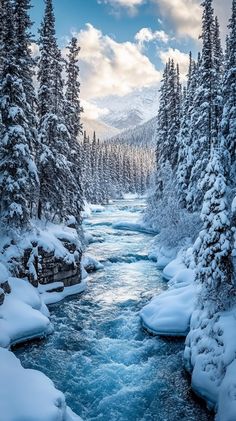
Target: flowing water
{"x":109,"y":368}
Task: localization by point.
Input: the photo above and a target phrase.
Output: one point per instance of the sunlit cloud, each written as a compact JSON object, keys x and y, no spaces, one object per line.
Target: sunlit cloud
{"x":146,"y":35}
{"x":130,"y":5}
{"x":109,"y":67}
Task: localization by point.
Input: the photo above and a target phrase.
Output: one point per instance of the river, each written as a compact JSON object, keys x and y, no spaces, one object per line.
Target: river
{"x":109,"y":368}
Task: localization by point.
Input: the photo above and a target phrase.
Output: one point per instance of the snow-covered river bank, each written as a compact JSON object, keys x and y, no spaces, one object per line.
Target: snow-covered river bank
{"x":109,"y":368}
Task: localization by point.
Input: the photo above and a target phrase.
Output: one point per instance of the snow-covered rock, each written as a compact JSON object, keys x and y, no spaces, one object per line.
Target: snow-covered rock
{"x":161,"y":255}
{"x":90,"y":264}
{"x":23,"y":315}
{"x":210,"y":358}
{"x":29,"y":394}
{"x":169,"y":313}
{"x":173,"y":268}
{"x":52,"y":297}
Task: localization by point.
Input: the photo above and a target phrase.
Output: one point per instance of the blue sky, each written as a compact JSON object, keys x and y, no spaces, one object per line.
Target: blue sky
{"x":125,"y":43}
{"x":117,"y":22}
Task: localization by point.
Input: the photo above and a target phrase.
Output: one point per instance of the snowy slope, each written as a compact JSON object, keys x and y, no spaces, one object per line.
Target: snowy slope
{"x":103,"y":131}
{"x":142,"y":135}
{"x":130,"y":110}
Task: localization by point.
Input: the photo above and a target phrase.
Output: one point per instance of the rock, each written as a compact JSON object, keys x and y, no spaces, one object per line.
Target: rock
{"x":5,"y":287}
{"x":2,"y":297}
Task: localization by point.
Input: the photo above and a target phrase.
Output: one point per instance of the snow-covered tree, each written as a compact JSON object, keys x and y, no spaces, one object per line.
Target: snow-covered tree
{"x":73,"y":108}
{"x":206,"y":116}
{"x":18,"y":173}
{"x":213,"y":247}
{"x":60,"y":193}
{"x":229,"y":96}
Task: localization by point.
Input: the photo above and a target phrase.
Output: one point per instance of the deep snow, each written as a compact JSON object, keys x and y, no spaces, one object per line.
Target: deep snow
{"x":99,"y":355}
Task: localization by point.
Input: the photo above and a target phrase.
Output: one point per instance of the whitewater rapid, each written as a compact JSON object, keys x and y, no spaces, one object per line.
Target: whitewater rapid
{"x":109,"y":368}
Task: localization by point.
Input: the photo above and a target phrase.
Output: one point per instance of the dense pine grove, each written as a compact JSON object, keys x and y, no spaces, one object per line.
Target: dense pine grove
{"x":196,"y":153}
{"x":109,"y":170}
{"x":48,"y":168}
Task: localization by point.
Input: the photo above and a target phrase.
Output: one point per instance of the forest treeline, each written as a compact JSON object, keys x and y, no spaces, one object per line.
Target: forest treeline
{"x":47,"y":168}
{"x":193,"y":201}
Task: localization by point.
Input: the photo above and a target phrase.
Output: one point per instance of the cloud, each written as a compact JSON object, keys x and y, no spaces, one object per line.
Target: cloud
{"x":185,"y":14}
{"x":112,"y":68}
{"x":92,"y":111}
{"x":130,"y":5}
{"x":179,"y":57}
{"x":147,"y":35}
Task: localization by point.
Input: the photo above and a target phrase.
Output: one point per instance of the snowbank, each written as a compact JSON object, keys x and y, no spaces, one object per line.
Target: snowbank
{"x":169,"y":313}
{"x":161,"y":255}
{"x":23,"y":315}
{"x":172,"y":268}
{"x":29,"y":394}
{"x":52,"y":297}
{"x":210,"y":358}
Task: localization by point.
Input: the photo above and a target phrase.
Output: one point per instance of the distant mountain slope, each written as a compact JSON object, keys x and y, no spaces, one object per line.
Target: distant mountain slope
{"x":130,"y":110}
{"x":142,"y":135}
{"x":103,"y":131}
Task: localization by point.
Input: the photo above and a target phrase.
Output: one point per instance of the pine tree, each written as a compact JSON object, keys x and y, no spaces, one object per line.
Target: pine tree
{"x":206,"y":115}
{"x":229,"y":96}
{"x":58,"y":185}
{"x":17,"y":167}
{"x":24,"y":58}
{"x":214,"y":246}
{"x":73,"y":109}
{"x":184,"y":140}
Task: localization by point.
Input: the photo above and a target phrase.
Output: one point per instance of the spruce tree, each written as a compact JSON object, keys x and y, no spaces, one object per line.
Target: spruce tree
{"x":228,"y":125}
{"x":18,"y":171}
{"x":213,"y":248}
{"x":58,"y":184}
{"x":206,"y":113}
{"x":73,"y":108}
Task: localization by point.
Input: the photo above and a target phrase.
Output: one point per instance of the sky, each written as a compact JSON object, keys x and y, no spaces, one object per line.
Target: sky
{"x":125,"y":43}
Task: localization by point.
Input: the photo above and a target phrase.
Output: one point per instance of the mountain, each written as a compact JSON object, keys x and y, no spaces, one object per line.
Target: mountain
{"x":130,"y":110}
{"x":103,"y":131}
{"x":142,"y":135}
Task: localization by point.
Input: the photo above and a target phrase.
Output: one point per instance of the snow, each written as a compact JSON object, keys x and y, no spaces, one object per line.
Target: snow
{"x":29,"y":394}
{"x":23,"y":315}
{"x":211,"y":360}
{"x":90,"y":264}
{"x":162,"y":256}
{"x":89,"y":209}
{"x":173,"y":268}
{"x":169,"y":313}
{"x":55,"y":297}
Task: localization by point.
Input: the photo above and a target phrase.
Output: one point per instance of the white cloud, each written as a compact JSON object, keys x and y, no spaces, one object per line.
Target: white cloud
{"x":130,"y":5}
{"x":185,"y":14}
{"x":92,"y":111}
{"x":180,"y":58}
{"x":147,"y":35}
{"x":112,"y":68}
